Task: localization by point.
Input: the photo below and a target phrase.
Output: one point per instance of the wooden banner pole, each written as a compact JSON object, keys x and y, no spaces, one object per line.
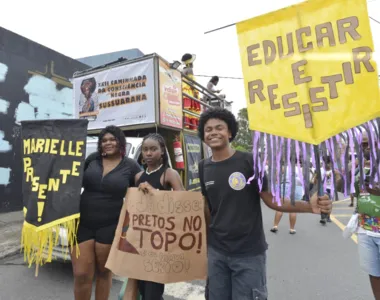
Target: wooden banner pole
{"x":36,"y":273}
{"x":226,"y":26}
{"x":220,"y":28}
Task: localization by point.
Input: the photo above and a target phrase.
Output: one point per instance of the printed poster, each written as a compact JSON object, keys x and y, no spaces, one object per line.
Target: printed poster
{"x":120,"y":96}
{"x":193,"y":154}
{"x":160,"y":237}
{"x":308,"y":69}
{"x":207,"y":151}
{"x":170,"y":96}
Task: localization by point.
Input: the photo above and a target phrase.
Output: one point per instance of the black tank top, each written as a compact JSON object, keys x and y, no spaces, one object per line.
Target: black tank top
{"x":154,"y":179}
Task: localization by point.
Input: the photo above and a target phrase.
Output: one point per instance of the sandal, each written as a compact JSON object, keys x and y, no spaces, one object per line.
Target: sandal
{"x":274,"y":229}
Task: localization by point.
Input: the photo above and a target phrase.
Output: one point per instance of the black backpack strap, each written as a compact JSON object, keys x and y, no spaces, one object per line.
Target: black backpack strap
{"x":200,"y":170}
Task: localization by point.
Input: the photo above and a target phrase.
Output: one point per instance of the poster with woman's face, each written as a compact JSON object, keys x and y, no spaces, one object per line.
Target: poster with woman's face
{"x":122,"y":95}
{"x":88,"y":103}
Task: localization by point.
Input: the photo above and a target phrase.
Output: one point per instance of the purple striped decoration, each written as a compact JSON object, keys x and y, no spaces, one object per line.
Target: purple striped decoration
{"x":340,"y":148}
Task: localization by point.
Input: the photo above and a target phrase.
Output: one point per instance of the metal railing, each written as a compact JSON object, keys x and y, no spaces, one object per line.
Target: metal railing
{"x":203,"y":90}
{"x":206,"y":94}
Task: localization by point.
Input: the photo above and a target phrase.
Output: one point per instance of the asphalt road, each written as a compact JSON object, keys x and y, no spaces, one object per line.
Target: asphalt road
{"x":314,"y":264}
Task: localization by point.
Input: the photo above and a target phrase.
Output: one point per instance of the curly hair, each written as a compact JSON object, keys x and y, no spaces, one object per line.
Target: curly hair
{"x":93,"y":84}
{"x":118,"y":134}
{"x":161,"y":141}
{"x":220,"y":114}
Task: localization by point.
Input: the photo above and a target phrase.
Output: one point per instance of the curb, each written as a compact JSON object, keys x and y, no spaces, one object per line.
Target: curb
{"x":10,"y":252}
{"x":10,"y":239}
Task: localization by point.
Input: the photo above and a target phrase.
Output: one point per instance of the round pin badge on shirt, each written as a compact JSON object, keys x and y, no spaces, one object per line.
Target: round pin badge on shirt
{"x":237,"y":181}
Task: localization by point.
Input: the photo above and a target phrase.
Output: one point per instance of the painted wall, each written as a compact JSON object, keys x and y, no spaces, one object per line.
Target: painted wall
{"x":34,"y":85}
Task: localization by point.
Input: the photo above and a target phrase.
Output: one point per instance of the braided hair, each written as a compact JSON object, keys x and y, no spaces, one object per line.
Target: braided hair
{"x":161,"y":141}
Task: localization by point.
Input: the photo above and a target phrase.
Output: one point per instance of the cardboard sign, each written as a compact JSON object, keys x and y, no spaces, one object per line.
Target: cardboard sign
{"x":160,"y":237}
{"x":308,"y":70}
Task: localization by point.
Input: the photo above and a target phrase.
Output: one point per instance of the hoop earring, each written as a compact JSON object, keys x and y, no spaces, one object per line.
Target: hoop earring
{"x":143,"y":162}
{"x":104,"y":154}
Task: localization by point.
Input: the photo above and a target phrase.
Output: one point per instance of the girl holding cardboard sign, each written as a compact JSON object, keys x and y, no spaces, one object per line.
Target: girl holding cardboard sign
{"x":158,"y":175}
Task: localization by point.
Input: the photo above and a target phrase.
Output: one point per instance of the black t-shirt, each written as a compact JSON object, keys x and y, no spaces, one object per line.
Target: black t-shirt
{"x":236,"y":226}
{"x":102,"y":198}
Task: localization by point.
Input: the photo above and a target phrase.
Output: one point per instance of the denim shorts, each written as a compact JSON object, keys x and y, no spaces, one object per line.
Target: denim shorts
{"x":240,"y":278}
{"x":298,"y":195}
{"x":369,"y":254}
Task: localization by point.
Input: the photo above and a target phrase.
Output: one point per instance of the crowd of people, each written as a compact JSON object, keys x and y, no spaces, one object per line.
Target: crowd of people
{"x":327,"y":177}
{"x":366,"y":218}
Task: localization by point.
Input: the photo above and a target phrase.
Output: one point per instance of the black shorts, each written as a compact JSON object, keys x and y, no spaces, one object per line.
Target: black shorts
{"x":102,"y":235}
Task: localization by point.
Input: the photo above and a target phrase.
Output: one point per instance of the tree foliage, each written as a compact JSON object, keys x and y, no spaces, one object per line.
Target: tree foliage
{"x":243,"y":140}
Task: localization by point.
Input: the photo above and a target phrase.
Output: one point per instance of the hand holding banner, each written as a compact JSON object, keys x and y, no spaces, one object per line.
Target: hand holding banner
{"x":160,"y":237}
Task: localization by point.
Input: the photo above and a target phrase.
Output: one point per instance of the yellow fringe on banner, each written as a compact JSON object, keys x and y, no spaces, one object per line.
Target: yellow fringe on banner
{"x":38,"y":242}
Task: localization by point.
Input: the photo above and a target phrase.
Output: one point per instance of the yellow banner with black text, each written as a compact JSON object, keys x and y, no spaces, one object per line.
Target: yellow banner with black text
{"x":308,"y":69}
{"x":53,"y":162}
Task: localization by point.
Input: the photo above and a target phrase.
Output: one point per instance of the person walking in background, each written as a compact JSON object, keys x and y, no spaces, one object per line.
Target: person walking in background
{"x":368,"y":220}
{"x":311,"y":177}
{"x":285,"y":188}
{"x":327,"y":182}
{"x":352,"y":195}
{"x":326,"y":174}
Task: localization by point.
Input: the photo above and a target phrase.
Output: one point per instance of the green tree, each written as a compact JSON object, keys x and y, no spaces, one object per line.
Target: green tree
{"x":243,"y":139}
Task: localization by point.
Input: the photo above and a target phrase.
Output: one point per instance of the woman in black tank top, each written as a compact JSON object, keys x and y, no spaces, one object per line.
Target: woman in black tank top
{"x":158,"y":175}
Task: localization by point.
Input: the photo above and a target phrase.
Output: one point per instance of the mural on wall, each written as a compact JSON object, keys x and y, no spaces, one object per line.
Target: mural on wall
{"x":46,"y":100}
{"x":34,"y":85}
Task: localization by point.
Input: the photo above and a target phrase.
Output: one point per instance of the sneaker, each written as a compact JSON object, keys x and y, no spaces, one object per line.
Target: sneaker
{"x":351,"y":205}
{"x":322,"y":221}
{"x":292,"y":231}
{"x":329,"y":220}
{"x":274,"y":229}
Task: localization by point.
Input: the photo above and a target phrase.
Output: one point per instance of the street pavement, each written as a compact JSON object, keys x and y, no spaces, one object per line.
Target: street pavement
{"x":10,"y":232}
{"x":316,"y":263}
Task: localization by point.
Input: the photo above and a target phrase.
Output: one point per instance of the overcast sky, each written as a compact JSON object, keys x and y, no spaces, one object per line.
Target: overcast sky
{"x":168,"y":27}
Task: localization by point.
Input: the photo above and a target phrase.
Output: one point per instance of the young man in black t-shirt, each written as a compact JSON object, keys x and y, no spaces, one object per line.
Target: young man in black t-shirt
{"x":236,"y":241}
